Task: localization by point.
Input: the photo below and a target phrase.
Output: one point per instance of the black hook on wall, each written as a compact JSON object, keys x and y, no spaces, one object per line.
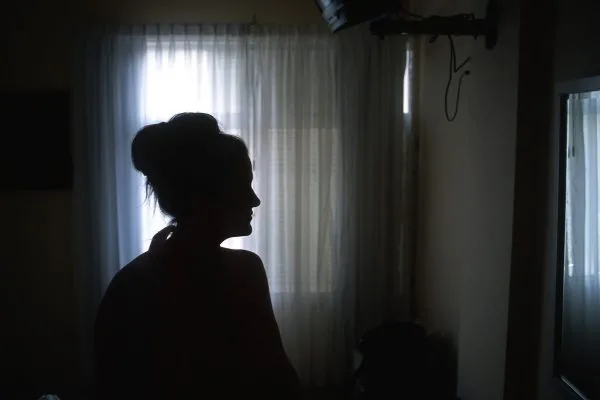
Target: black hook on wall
{"x":455,"y":25}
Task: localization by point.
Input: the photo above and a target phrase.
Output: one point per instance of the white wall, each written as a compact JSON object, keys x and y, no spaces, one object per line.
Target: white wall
{"x":466,"y":190}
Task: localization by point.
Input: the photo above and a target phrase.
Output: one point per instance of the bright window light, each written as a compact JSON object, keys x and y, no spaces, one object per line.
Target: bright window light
{"x":176,"y":81}
{"x":407,"y":87}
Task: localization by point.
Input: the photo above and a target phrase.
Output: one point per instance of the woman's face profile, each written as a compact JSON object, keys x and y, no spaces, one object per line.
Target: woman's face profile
{"x":232,"y":211}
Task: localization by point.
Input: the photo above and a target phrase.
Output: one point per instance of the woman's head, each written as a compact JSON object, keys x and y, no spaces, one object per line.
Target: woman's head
{"x":198,"y":174}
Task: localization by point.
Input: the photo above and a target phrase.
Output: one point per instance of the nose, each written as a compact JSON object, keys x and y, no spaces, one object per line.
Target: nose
{"x":255,"y":201}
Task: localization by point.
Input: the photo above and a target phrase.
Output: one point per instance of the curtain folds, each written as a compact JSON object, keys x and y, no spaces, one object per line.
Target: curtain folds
{"x":324,"y":121}
{"x":105,"y":116}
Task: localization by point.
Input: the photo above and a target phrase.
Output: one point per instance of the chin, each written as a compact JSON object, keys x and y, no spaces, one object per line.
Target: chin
{"x":245,"y":232}
{"x":241,"y":231}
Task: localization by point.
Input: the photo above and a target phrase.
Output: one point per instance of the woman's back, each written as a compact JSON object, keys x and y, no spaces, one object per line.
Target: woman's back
{"x":171,"y":326}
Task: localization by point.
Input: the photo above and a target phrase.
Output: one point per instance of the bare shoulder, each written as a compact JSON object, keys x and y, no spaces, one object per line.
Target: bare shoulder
{"x":133,"y":278}
{"x":245,"y":256}
{"x":246,"y":263}
{"x":133,"y":271}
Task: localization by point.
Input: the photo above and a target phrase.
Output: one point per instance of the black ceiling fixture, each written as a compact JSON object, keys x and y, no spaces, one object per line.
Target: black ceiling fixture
{"x":388,"y":17}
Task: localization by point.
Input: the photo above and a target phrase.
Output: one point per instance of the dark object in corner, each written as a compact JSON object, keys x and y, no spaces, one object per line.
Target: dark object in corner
{"x":400,"y":361}
{"x":35,"y":153}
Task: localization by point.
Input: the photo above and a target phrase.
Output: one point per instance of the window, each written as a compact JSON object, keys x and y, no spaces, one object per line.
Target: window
{"x":297,"y":187}
{"x":581,"y":195}
{"x":185,"y":79}
{"x":193,"y":76}
{"x":578,"y":309}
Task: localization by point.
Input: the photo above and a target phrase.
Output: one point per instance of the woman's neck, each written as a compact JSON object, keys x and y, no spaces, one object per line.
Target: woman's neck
{"x":194,"y":239}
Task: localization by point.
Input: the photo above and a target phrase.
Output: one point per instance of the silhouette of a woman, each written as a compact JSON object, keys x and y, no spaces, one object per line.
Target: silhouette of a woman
{"x":188,"y":318}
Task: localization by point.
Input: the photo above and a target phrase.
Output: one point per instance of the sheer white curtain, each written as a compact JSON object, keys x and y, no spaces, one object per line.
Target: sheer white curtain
{"x":323,"y":119}
{"x":581,"y":295}
{"x":106,"y":113}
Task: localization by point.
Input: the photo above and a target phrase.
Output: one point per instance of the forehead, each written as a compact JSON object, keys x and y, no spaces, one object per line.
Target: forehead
{"x":244,"y":168}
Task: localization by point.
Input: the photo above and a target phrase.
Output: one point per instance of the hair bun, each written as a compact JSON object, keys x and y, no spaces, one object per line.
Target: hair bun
{"x":158,"y":146}
{"x":194,"y":125}
{"x":146,"y":147}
